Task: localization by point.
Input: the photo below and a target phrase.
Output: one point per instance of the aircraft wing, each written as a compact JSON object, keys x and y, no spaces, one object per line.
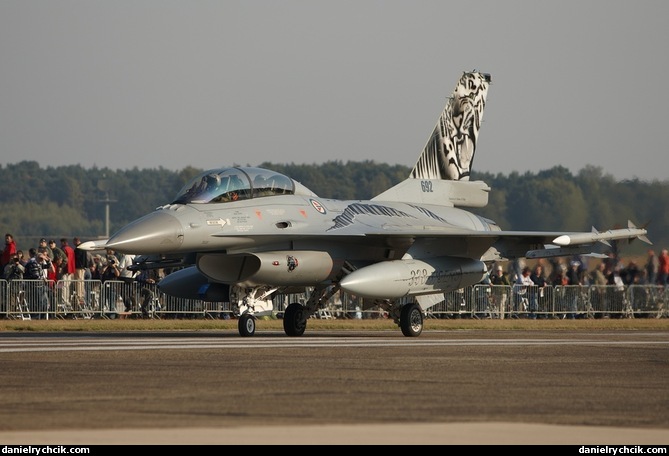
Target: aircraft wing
{"x":507,"y":245}
{"x":359,"y":247}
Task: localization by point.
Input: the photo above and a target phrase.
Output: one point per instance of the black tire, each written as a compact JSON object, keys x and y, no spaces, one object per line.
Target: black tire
{"x":411,"y":320}
{"x":294,"y":322}
{"x":246,"y":325}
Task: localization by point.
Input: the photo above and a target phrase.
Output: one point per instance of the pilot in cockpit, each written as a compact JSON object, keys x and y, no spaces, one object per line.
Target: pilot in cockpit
{"x":207,"y":183}
{"x":212,"y":182}
{"x":280,"y":184}
{"x":260,"y":187}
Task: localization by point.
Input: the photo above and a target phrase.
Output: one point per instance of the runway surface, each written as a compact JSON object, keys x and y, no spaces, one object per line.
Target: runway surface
{"x":335,"y":387}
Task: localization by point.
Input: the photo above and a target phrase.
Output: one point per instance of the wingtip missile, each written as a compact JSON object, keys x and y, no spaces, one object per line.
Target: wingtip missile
{"x":632,"y":226}
{"x":603,"y":241}
{"x":630,"y":233}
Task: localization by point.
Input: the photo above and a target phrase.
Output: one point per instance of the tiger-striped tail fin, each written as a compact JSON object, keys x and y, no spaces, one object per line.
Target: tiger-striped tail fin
{"x":449,"y":153}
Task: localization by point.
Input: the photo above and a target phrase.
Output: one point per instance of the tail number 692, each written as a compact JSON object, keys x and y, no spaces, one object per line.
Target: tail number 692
{"x":426,"y":186}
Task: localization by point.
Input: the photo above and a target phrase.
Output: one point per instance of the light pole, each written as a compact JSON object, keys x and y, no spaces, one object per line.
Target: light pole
{"x":103,"y":186}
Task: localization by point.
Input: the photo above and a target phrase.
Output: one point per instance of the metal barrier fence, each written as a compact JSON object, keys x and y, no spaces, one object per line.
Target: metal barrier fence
{"x":571,"y":301}
{"x":87,"y":299}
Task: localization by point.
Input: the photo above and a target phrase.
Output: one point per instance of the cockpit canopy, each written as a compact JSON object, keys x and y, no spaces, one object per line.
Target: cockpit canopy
{"x":235,"y":184}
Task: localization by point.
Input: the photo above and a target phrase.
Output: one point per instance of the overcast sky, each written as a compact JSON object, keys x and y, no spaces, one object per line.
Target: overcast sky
{"x":150,"y":83}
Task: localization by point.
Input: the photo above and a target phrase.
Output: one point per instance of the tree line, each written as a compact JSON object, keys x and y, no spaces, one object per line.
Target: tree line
{"x":69,"y":201}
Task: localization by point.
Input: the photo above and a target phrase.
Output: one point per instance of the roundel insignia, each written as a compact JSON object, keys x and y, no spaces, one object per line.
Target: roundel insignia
{"x":318,"y":206}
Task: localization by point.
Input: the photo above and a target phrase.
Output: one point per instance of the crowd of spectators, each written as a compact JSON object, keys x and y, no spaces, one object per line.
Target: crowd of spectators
{"x":579,"y":271}
{"x":69,"y":264}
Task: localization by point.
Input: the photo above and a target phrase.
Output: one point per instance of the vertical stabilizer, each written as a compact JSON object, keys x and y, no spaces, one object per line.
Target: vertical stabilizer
{"x":449,"y":153}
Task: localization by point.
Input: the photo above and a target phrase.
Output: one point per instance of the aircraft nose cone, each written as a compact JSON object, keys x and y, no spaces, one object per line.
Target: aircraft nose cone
{"x":158,"y":232}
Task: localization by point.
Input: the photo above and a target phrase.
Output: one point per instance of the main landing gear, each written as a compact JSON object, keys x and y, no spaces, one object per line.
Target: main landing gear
{"x":253,"y":303}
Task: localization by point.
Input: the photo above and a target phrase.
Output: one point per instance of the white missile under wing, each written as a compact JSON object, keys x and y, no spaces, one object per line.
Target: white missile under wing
{"x":242,"y":234}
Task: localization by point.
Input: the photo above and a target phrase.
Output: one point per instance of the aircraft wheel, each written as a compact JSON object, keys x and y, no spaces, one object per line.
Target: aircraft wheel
{"x":294,"y":322}
{"x":411,"y":320}
{"x":246,"y":325}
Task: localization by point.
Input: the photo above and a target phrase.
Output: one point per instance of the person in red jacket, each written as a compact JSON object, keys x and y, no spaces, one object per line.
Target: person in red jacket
{"x":68,"y":271}
{"x":9,"y":252}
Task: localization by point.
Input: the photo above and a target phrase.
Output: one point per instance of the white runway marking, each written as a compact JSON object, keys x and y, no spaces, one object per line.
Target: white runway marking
{"x":64,"y":343}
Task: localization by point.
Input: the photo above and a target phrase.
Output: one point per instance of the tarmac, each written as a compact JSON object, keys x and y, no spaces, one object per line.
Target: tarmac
{"x":475,"y":387}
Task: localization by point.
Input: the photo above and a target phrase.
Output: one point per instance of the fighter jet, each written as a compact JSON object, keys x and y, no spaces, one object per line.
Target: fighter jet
{"x":245,"y":234}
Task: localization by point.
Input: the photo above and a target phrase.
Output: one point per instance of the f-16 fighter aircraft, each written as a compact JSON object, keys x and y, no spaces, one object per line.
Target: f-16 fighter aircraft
{"x":243,"y":234}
